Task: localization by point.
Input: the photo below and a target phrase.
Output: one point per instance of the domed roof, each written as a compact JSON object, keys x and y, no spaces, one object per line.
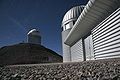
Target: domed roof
{"x":34,"y":32}
{"x":72,"y":14}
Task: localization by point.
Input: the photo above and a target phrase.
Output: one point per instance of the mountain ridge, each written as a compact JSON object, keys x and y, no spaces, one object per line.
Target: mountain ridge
{"x":26,"y":53}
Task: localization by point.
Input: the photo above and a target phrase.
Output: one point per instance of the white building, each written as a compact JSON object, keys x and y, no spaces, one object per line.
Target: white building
{"x":34,"y":37}
{"x":95,"y":34}
{"x":67,"y":24}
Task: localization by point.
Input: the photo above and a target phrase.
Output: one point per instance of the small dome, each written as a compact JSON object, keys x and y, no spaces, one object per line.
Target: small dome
{"x":34,"y":32}
{"x":72,"y":14}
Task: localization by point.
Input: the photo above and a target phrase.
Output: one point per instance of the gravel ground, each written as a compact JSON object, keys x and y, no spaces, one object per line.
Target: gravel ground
{"x":108,"y":69}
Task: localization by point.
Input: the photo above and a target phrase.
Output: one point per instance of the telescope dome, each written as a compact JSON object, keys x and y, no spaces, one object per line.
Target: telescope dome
{"x":34,"y":32}
{"x":34,"y":37}
{"x":72,"y":14}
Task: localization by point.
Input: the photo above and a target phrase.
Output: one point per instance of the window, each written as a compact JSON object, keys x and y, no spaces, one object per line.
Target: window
{"x":73,"y":22}
{"x":67,"y":26}
{"x":64,"y":28}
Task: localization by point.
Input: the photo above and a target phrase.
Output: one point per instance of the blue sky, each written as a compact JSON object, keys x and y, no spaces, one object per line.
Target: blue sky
{"x":17,"y":17}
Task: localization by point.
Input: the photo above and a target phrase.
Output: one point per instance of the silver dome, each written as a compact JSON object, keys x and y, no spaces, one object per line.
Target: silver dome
{"x":34,"y":32}
{"x":72,"y":14}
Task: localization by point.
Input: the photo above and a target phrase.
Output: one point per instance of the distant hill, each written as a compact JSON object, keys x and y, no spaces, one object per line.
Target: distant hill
{"x":26,"y":53}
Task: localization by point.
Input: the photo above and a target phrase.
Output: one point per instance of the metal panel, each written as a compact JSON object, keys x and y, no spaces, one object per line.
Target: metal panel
{"x":66,"y":48}
{"x":94,"y":12}
{"x":77,"y":51}
{"x":89,"y":48}
{"x":106,"y":37}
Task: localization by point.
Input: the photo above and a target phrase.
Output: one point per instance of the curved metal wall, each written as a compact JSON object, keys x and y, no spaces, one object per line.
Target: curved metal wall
{"x":106,"y":37}
{"x":66,"y":48}
{"x":34,"y":39}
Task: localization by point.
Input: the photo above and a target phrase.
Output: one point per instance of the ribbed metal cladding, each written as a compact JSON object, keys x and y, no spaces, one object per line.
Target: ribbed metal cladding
{"x":77,"y":51}
{"x":66,"y":48}
{"x":106,"y":37}
{"x":94,"y":12}
{"x":89,"y":48}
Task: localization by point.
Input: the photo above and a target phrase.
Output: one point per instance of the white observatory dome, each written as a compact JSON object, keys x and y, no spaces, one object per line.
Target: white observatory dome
{"x":34,"y":32}
{"x":72,"y":14}
{"x":34,"y":37}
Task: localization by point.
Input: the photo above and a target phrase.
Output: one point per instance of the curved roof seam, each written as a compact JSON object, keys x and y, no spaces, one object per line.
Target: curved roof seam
{"x":69,"y":19}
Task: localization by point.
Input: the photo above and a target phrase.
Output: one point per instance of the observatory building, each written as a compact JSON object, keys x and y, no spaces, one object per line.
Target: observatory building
{"x":31,"y":52}
{"x":92,"y":32}
{"x":67,"y":24}
{"x":34,"y":37}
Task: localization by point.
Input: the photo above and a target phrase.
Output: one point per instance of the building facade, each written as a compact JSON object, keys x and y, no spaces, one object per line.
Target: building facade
{"x":96,"y":32}
{"x":67,"y":24}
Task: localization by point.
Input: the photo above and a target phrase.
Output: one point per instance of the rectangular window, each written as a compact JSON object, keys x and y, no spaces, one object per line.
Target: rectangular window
{"x":68,"y":26}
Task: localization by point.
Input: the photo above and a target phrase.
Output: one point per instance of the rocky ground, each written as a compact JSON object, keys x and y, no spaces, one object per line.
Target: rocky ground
{"x":108,"y":69}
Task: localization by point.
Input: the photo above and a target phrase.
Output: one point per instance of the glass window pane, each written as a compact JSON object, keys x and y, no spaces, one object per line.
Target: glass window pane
{"x":67,"y":26}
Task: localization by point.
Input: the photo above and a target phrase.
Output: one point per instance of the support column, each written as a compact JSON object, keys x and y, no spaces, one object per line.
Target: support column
{"x":84,"y":52}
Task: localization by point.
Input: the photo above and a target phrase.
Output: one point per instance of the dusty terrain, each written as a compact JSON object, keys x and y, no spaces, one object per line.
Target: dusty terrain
{"x":108,"y":69}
